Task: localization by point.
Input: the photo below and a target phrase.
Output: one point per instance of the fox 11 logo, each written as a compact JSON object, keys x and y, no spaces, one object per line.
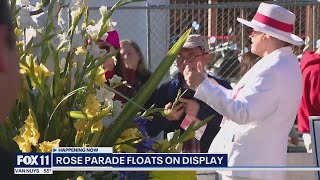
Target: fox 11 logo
{"x":33,"y":163}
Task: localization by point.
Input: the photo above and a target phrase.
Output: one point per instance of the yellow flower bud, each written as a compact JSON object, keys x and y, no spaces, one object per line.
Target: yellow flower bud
{"x":96,"y":127}
{"x":24,"y":145}
{"x":186,"y":175}
{"x":80,"y":178}
{"x":83,"y":26}
{"x":100,"y":78}
{"x":92,"y":107}
{"x":78,"y":137}
{"x":92,"y":22}
{"x":30,"y":133}
{"x":20,"y":43}
{"x":47,"y":146}
{"x":80,"y":124}
{"x":81,"y":50}
{"x":18,"y":32}
{"x":130,"y":133}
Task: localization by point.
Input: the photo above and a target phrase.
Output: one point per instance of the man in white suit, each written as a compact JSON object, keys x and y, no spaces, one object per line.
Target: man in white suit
{"x":260,"y":111}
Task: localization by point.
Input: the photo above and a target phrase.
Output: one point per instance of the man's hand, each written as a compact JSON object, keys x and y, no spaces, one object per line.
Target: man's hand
{"x":194,"y":77}
{"x":173,"y":113}
{"x":191,"y":107}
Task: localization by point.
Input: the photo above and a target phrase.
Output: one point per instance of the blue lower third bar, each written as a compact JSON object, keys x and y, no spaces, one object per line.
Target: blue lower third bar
{"x":137,"y":160}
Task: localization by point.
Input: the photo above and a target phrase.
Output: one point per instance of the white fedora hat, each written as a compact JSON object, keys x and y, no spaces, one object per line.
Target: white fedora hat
{"x":275,"y":21}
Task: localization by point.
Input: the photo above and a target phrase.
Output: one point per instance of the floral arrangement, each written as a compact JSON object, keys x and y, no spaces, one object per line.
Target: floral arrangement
{"x":65,"y":101}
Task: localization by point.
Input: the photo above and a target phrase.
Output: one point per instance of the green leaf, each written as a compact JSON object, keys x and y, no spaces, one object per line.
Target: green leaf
{"x":73,"y":114}
{"x":203,"y":122}
{"x":45,"y":54}
{"x":129,"y":1}
{"x":65,"y":98}
{"x":130,"y":110}
{"x":48,"y":38}
{"x":76,"y":115}
{"x":176,"y":135}
{"x":29,"y":45}
{"x":95,"y":65}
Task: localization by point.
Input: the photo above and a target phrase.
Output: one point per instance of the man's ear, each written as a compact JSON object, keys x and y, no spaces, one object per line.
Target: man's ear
{"x":206,"y":60}
{"x":3,"y":45}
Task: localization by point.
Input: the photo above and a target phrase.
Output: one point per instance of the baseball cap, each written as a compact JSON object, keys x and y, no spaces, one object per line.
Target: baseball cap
{"x":196,"y":40}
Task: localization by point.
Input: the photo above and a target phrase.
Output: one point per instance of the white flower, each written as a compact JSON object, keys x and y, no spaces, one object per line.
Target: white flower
{"x":75,"y":14}
{"x":57,"y":14}
{"x":63,"y":36}
{"x":103,"y":11}
{"x":61,"y":21}
{"x":111,"y":25}
{"x":93,"y":30}
{"x":30,"y":33}
{"x":62,"y":63}
{"x":104,"y":95}
{"x":77,"y":4}
{"x":95,"y":50}
{"x":104,"y":37}
{"x":62,"y":42}
{"x":41,"y":19}
{"x":24,"y":19}
{"x":115,"y":80}
{"x":23,"y":2}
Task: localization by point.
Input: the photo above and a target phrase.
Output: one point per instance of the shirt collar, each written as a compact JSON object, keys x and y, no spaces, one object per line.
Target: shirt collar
{"x":281,"y":51}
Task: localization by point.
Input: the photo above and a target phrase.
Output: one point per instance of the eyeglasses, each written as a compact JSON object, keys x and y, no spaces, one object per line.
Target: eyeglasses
{"x":252,"y":32}
{"x":191,"y":59}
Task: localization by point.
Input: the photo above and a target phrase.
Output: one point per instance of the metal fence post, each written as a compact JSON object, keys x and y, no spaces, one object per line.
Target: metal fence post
{"x":242,"y":31}
{"x":314,"y":38}
{"x":148,"y":35}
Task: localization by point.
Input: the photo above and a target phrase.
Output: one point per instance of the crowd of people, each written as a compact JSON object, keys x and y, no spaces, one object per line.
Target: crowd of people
{"x":251,"y":121}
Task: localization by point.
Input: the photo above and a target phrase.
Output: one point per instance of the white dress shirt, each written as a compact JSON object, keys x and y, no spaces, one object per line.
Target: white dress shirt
{"x":259,"y":116}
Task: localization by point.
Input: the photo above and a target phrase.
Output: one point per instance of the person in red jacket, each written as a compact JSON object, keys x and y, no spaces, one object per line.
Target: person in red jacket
{"x":310,"y":103}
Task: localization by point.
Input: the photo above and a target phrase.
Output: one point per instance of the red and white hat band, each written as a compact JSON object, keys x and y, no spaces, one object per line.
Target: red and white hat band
{"x":273,"y":23}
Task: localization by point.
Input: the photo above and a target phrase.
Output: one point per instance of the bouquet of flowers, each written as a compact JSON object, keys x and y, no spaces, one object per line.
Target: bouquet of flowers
{"x":64,"y":100}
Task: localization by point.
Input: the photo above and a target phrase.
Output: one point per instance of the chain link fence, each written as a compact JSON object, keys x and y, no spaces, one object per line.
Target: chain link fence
{"x":157,"y":27}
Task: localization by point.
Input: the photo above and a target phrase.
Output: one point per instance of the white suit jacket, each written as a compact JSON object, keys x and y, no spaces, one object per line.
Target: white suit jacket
{"x":258,"y":120}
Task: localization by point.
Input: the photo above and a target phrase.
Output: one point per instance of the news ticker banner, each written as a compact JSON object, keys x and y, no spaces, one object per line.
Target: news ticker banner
{"x":102,"y":159}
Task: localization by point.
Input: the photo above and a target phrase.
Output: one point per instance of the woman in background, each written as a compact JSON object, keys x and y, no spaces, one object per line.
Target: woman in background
{"x":128,"y":64}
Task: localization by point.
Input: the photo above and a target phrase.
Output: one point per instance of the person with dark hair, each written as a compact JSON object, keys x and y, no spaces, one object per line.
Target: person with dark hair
{"x":10,"y":79}
{"x":266,"y":98}
{"x":195,"y":49}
